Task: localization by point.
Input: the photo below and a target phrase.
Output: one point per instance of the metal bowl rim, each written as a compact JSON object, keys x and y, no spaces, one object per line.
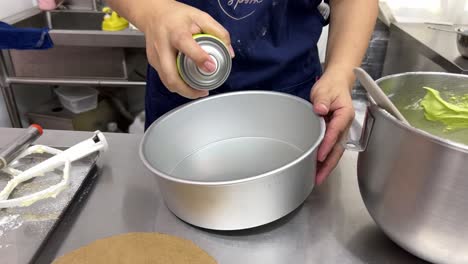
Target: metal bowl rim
{"x":438,"y":140}
{"x":247,"y":179}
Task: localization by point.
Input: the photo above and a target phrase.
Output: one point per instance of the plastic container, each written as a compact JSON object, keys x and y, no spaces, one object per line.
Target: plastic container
{"x":113,"y":127}
{"x":138,"y":125}
{"x":78,"y":99}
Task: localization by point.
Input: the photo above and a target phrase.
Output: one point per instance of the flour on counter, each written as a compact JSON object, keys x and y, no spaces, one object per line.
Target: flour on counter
{"x":10,"y":222}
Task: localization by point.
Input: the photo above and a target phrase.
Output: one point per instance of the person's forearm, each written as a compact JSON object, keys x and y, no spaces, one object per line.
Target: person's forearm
{"x":134,"y":11}
{"x":351,"y":25}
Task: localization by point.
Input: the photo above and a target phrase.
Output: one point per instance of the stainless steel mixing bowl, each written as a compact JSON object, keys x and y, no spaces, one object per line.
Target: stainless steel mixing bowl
{"x":236,"y":160}
{"x":414,"y":184}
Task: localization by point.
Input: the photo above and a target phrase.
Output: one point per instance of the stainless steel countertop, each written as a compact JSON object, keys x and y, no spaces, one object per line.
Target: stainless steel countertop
{"x":332,"y":226}
{"x":438,"y":46}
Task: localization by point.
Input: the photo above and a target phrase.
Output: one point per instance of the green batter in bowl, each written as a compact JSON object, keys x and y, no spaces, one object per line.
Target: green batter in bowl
{"x":453,"y":115}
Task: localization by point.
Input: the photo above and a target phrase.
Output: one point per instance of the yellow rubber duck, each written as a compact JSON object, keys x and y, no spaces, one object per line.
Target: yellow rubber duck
{"x":112,"y":21}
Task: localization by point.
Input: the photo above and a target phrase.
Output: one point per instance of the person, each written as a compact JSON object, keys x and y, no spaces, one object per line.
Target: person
{"x":274,"y":47}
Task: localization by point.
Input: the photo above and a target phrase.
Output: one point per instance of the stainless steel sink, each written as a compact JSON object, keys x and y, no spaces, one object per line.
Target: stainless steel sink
{"x":68,"y":20}
{"x":81,"y":49}
{"x":78,"y":28}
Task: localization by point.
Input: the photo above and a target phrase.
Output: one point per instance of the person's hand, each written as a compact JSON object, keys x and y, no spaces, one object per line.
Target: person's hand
{"x":331,"y":97}
{"x":168,"y":28}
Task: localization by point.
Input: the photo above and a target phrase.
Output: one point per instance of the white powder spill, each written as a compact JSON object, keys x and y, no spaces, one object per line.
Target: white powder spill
{"x":42,"y":215}
{"x":8,"y":223}
{"x":33,"y":223}
{"x":7,"y":220}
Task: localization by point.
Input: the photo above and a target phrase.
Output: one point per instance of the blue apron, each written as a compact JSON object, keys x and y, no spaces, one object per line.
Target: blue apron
{"x":275,"y":42}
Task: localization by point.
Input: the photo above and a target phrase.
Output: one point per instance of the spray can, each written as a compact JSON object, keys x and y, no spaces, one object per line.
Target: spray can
{"x":196,"y":77}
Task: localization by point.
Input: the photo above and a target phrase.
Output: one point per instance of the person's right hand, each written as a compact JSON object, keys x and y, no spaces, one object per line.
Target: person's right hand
{"x":168,"y":29}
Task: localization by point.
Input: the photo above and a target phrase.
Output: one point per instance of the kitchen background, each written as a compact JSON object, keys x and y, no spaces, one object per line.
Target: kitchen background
{"x":124,"y":105}
{"x":339,"y":220}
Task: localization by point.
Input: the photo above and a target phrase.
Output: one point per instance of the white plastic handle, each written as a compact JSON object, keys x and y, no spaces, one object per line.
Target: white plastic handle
{"x":96,"y":143}
{"x":378,"y":95}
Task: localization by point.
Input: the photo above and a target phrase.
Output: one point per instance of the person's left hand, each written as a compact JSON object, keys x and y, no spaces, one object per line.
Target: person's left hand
{"x":331,"y":97}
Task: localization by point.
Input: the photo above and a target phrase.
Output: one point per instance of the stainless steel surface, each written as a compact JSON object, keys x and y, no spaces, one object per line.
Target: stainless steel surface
{"x":462,"y":43}
{"x":24,"y":230}
{"x":22,"y":15}
{"x":247,"y":159}
{"x":98,"y":5}
{"x":94,"y":5}
{"x":332,"y":225}
{"x":196,"y":77}
{"x":78,"y":28}
{"x":414,"y":47}
{"x":12,"y":150}
{"x":358,"y":137}
{"x":374,"y":57}
{"x":462,"y":39}
{"x":71,"y":82}
{"x":8,"y":95}
{"x":377,"y":94}
{"x":414,"y":184}
{"x":81,"y":4}
{"x":64,"y":20}
{"x":70,"y":62}
{"x":98,"y":56}
{"x":10,"y":103}
{"x":444,"y":30}
{"x":9,"y":69}
{"x":87,"y":62}
{"x":91,"y":38}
